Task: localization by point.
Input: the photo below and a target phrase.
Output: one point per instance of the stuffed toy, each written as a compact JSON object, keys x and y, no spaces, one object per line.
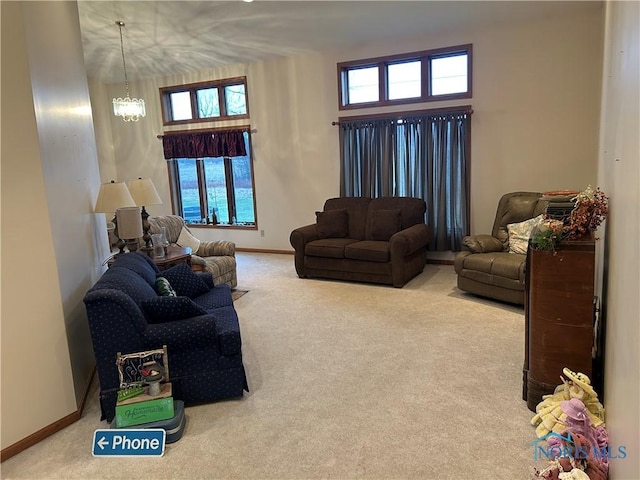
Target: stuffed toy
{"x":549,"y":415}
{"x":567,"y":467}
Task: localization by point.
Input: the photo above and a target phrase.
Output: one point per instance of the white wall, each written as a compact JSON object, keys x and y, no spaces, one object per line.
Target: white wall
{"x":619,"y":176}
{"x":52,"y":243}
{"x":535,"y":126}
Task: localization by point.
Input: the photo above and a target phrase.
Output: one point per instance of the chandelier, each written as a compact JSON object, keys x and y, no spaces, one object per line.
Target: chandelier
{"x":130,"y":109}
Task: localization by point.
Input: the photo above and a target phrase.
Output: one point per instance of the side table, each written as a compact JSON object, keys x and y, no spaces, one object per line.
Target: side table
{"x":174,"y":256}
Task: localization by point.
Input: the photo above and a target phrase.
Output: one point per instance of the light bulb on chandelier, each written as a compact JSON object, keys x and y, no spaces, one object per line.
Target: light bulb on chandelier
{"x":130,"y":109}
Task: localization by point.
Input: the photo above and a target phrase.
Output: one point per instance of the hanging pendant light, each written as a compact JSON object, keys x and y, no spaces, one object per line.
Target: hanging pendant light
{"x":130,"y":109}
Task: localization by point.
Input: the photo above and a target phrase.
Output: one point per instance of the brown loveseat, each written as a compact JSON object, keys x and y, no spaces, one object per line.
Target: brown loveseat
{"x":381,"y":240}
{"x":487,"y":265}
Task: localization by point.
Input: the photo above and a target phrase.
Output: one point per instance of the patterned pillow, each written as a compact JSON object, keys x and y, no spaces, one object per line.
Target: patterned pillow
{"x":166,"y":309}
{"x":519,"y":234}
{"x":185,"y":281}
{"x":186,"y":239}
{"x":164,"y":288}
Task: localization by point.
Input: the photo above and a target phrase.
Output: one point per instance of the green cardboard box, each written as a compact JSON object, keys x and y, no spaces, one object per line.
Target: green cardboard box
{"x":144,"y":412}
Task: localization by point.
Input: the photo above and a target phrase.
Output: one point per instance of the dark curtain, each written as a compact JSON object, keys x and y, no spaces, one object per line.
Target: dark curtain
{"x":423,"y":156}
{"x":227,"y":143}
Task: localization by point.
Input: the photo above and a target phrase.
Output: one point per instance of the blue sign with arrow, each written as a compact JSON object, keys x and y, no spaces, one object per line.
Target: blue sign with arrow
{"x":136,"y":442}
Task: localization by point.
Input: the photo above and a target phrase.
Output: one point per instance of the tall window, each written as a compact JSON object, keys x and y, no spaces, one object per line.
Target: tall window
{"x":212,"y":182}
{"x":425,"y":76}
{"x":206,"y":101}
{"x":417,"y":154}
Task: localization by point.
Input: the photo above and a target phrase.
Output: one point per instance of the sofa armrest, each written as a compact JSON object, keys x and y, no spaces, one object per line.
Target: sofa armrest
{"x":216,"y":248}
{"x":482,"y":244}
{"x":182,"y":335}
{"x":303,"y":235}
{"x":407,"y":241}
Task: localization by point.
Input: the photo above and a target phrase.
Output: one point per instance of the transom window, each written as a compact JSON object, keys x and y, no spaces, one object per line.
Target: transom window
{"x":205,"y":101}
{"x":416,"y":77}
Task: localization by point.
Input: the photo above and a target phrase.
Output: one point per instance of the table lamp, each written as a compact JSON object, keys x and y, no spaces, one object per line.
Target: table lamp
{"x":129,"y":226}
{"x":144,"y":193}
{"x":111,"y":197}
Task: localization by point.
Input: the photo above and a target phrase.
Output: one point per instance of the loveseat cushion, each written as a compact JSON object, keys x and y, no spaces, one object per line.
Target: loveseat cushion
{"x":165,"y":309}
{"x":328,"y":247}
{"x":382,"y":224}
{"x":138,"y":263}
{"x":368,"y":250}
{"x":332,"y":223}
{"x":185,"y":281}
{"x":501,"y":264}
{"x":218,"y":296}
{"x":128,"y":282}
{"x":357,"y":208}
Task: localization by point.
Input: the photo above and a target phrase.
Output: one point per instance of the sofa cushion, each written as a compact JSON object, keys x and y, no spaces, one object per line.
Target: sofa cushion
{"x":138,"y":263}
{"x":219,"y":296}
{"x":332,"y":223}
{"x":368,"y":250}
{"x":520,"y":232}
{"x":502,"y":264}
{"x":328,"y":247}
{"x":382,"y":224}
{"x":357,"y":208}
{"x":166,"y":309}
{"x":164,"y":288}
{"x":128,"y":282}
{"x":185,"y":281}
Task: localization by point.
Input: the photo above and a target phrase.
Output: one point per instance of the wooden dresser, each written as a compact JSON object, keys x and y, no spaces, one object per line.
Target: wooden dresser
{"x":559,"y":316}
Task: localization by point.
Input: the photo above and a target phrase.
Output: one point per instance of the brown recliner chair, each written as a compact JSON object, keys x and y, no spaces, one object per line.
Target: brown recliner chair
{"x":485,"y":266}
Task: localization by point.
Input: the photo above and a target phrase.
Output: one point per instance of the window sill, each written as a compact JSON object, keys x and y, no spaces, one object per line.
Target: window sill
{"x":223,"y":226}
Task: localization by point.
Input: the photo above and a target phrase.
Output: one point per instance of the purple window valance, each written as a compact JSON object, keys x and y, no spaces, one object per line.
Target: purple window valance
{"x":227,"y":143}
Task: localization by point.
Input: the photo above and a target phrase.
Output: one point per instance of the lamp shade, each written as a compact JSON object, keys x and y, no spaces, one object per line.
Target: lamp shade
{"x":129,"y":222}
{"x":113,"y":196}
{"x":144,"y":192}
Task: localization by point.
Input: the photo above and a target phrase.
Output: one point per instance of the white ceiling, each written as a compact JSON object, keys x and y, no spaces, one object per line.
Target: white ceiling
{"x":167,"y":37}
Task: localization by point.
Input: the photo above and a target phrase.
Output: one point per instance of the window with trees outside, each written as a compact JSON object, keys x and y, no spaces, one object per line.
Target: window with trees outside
{"x":440,"y":74}
{"x":214,"y":190}
{"x":205,"y":101}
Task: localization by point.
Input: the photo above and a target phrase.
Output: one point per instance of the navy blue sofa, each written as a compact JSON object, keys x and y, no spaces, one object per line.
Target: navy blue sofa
{"x":199,"y":326}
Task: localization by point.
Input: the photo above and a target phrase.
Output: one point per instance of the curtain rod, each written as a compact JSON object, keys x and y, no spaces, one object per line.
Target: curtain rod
{"x":434,"y":111}
{"x":252,"y":130}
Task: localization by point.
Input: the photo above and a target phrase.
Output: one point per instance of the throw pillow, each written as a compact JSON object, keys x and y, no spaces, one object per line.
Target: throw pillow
{"x":166,"y":309}
{"x":383,"y":224}
{"x":164,"y":288}
{"x":332,"y":223}
{"x":185,"y":281}
{"x":186,"y":239}
{"x":519,"y":234}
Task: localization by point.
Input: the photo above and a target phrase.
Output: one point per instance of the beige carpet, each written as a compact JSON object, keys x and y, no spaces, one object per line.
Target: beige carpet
{"x":347,"y":381}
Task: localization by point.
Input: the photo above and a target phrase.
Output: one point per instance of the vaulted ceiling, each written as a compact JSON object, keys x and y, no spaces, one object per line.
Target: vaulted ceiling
{"x":167,"y":37}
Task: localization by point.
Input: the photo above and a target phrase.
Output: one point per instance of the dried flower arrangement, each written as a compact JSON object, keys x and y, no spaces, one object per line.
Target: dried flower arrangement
{"x":590,"y":210}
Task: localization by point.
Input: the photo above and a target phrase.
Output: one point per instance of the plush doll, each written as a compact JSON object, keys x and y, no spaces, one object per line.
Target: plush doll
{"x":580,"y":466}
{"x":549,"y":415}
